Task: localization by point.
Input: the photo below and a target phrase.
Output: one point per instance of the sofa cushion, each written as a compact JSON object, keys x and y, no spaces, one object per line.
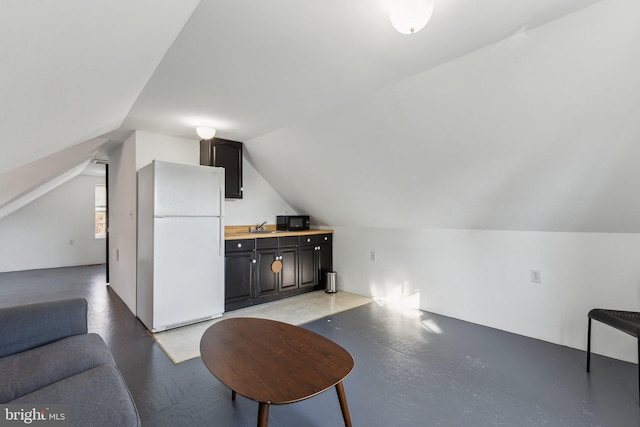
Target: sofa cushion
{"x":32,"y":325}
{"x":30,"y":370}
{"x":97,"y":397}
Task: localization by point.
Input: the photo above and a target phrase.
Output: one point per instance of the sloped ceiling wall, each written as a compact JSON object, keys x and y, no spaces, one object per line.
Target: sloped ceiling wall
{"x":72,"y":70}
{"x":70,"y":73}
{"x":26,"y":183}
{"x":537,"y":132}
{"x":250,"y":67}
{"x":345,"y":119}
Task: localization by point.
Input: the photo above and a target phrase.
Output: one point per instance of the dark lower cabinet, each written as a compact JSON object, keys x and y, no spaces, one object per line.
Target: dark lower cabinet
{"x":268,"y":268}
{"x":308,"y":260}
{"x":289,"y":273}
{"x":325,"y":258}
{"x":272,"y":279}
{"x":267,"y":279}
{"x":308,"y":270}
{"x":316,"y":257}
{"x":238,"y":276}
{"x":239,"y":270}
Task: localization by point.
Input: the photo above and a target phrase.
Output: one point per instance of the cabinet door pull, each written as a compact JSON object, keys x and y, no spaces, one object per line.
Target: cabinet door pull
{"x":239,"y":245}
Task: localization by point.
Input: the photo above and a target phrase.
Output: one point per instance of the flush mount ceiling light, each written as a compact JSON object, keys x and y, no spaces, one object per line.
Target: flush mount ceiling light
{"x":410,"y":16}
{"x":205,"y":132}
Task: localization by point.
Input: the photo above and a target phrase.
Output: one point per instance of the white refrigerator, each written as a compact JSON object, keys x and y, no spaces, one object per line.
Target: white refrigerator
{"x":180,"y":272}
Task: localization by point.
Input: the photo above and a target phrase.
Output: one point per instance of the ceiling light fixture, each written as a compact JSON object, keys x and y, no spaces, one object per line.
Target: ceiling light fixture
{"x":410,"y":16}
{"x":205,"y":132}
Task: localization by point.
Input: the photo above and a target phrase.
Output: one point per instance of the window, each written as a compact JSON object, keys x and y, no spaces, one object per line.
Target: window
{"x":101,"y":211}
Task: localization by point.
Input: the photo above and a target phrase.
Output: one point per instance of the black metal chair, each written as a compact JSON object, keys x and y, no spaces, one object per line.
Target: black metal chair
{"x":625,"y":321}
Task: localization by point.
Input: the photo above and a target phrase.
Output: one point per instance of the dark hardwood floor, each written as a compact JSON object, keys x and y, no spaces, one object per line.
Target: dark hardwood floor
{"x":411,"y":369}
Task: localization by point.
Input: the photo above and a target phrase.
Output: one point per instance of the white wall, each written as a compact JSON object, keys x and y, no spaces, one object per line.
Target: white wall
{"x":153,"y":146}
{"x":483,"y":276}
{"x":260,"y":201}
{"x":39,"y":235}
{"x":122,"y":221}
{"x":538,"y":132}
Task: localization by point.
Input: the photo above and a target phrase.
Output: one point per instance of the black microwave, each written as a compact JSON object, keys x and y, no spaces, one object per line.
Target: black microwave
{"x":292,"y":222}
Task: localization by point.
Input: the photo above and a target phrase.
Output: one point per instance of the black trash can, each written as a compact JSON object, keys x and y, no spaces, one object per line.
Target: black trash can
{"x":331,"y":283}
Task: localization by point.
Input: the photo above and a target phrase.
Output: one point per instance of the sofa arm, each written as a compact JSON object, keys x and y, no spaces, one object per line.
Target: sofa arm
{"x":28,"y":326}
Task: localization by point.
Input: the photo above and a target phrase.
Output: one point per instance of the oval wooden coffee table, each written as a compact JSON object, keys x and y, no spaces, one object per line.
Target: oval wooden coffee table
{"x":274,"y":363}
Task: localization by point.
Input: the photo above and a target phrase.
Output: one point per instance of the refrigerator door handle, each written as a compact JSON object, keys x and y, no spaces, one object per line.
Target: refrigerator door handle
{"x":221,"y":225}
{"x":221,"y":238}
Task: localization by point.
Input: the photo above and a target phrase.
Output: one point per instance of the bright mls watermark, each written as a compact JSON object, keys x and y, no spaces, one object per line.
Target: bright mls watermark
{"x":34,"y":415}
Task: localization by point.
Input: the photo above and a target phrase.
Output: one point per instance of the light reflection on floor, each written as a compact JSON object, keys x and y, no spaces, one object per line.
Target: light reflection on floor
{"x":408,"y":305}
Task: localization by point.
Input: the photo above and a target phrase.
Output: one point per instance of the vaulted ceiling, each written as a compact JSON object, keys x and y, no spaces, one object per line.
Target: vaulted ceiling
{"x":499,"y":114}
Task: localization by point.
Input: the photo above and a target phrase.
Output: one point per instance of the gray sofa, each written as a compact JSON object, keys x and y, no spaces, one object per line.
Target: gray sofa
{"x":47,"y":357}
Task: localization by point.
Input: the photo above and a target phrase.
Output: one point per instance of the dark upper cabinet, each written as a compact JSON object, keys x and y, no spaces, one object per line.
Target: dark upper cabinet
{"x":205,"y":152}
{"x":228,"y":155}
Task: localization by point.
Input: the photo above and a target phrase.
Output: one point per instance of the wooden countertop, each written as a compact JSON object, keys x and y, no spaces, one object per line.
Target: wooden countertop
{"x":241,"y":232}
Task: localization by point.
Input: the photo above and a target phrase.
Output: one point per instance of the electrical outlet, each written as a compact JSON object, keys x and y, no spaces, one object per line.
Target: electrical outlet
{"x":536,"y":276}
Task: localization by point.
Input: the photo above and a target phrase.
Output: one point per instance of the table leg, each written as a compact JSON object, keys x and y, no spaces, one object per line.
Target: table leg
{"x":342,"y":397}
{"x":233,"y":395}
{"x":263,"y":414}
